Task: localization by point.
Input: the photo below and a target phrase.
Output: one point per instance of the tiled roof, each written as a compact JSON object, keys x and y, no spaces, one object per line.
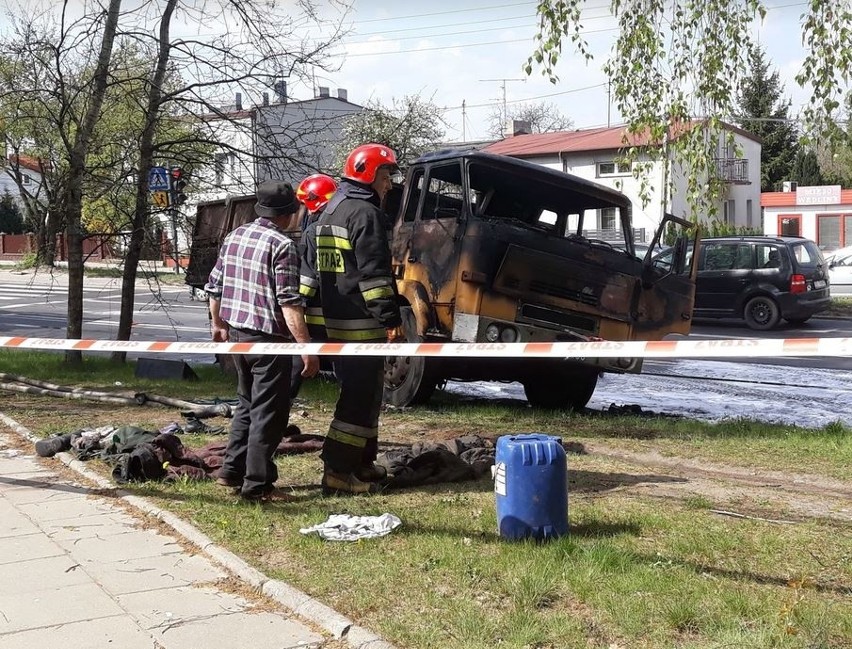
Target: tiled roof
{"x":26,"y":162}
{"x":590,"y":139}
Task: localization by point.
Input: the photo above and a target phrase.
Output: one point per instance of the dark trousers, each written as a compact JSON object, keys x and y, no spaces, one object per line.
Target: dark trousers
{"x":260,"y":419}
{"x":352,"y":439}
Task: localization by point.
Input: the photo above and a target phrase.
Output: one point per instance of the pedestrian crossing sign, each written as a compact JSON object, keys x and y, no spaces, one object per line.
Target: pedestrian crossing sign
{"x":158,"y":179}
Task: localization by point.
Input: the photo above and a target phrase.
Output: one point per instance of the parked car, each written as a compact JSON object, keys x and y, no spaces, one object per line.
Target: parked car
{"x":761,"y":280}
{"x":839,"y":264}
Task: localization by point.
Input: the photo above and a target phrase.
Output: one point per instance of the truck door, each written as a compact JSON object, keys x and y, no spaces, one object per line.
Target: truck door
{"x":667,"y":291}
{"x":426,"y":237}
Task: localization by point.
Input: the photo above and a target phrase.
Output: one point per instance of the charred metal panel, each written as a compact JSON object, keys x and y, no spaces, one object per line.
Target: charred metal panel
{"x":433,"y":244}
{"x":542,"y":278}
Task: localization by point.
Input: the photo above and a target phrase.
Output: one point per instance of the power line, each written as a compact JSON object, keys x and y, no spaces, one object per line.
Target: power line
{"x":445,"y":47}
{"x":520,"y":101}
{"x":443,"y":13}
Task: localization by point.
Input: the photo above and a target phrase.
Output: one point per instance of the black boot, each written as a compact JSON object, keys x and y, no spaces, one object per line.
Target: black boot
{"x":50,"y":446}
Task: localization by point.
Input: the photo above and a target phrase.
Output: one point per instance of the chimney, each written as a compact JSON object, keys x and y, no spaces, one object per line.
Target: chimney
{"x":266,"y":99}
{"x":323,"y":91}
{"x":238,"y":101}
{"x":280,"y":89}
{"x":518,"y":127}
{"x":789,"y":186}
{"x":342,"y":94}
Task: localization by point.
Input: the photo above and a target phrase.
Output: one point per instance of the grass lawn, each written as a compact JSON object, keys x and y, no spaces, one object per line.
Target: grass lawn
{"x":651,"y":560}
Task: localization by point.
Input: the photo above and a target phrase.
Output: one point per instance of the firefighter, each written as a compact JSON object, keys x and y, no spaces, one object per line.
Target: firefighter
{"x":313,"y":193}
{"x":359,"y":304}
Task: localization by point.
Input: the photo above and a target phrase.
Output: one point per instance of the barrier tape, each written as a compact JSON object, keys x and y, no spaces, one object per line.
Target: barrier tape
{"x":730,"y":348}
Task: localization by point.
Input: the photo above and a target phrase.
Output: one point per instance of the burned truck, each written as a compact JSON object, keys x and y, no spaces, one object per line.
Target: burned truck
{"x":488,"y":248}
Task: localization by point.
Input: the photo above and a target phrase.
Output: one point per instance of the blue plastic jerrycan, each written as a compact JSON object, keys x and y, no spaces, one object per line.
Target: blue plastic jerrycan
{"x":531,"y":487}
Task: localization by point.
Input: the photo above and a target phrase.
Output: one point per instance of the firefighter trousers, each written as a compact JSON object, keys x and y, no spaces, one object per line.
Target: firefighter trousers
{"x":352,"y":439}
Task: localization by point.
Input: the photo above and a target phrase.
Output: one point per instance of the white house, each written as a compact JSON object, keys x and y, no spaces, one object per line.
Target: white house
{"x":593,"y":154}
{"x":287,"y":140}
{"x":24,"y":168}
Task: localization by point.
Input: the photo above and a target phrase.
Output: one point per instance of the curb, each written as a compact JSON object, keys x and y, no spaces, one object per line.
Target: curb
{"x":296,"y":601}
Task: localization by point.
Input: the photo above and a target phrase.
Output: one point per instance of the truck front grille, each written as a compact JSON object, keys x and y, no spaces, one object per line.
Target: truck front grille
{"x":561,"y":291}
{"x":546,"y":316}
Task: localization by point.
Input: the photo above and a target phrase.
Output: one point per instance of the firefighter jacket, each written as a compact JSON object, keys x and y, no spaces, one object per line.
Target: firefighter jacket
{"x":309,"y":283}
{"x":350,"y":266}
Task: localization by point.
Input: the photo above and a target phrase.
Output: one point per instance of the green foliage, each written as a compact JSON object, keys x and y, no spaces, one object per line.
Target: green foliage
{"x":410,"y":126}
{"x":806,"y":169}
{"x":717,"y":228}
{"x":674,"y":62}
{"x":11,"y":219}
{"x":764,"y":112}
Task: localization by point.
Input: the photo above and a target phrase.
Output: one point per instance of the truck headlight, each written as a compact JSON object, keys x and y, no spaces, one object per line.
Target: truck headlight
{"x":492,"y":333}
{"x":509,"y":335}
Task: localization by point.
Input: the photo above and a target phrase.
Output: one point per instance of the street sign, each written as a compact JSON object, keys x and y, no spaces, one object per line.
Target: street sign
{"x":160,"y":199}
{"x":158,"y":180}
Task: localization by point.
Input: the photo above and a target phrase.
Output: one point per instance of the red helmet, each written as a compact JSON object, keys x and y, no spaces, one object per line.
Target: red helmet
{"x":363,"y":163}
{"x":315,"y":191}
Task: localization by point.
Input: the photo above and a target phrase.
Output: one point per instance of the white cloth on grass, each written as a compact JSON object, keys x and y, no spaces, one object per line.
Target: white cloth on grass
{"x":345,"y":527}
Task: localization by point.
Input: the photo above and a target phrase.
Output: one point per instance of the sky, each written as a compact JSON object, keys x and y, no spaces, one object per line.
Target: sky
{"x":472,"y":52}
{"x":454,"y":52}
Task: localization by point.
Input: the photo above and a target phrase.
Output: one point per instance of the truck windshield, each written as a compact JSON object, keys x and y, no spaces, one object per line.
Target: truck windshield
{"x":533,"y":203}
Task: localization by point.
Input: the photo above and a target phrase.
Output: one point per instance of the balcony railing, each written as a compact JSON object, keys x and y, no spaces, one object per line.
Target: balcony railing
{"x":732,"y":170}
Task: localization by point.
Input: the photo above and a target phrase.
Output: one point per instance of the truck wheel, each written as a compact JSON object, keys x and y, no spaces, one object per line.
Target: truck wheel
{"x":570,"y":390}
{"x":408,"y":379}
{"x":761,"y":313}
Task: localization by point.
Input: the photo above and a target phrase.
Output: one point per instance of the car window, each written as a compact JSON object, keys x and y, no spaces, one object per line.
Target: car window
{"x":843,"y":261}
{"x":769,"y":256}
{"x":727,"y":256}
{"x":806,"y":254}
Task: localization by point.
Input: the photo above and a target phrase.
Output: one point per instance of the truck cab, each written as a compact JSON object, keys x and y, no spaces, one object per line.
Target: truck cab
{"x":488,"y":248}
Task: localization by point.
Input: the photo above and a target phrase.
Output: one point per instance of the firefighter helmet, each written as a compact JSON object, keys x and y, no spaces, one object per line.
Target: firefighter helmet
{"x":364,"y":161}
{"x":315,"y":191}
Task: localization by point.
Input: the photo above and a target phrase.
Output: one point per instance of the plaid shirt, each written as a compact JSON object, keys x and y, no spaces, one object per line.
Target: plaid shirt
{"x":256,"y":272}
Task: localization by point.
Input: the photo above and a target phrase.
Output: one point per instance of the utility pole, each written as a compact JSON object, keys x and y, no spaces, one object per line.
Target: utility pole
{"x":464,"y":116}
{"x":608,"y":101}
{"x":503,"y":88}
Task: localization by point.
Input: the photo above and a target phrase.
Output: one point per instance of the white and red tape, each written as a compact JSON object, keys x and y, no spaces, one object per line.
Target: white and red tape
{"x":732,"y":348}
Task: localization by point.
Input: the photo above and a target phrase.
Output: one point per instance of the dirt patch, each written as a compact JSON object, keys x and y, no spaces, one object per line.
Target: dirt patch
{"x":763,"y":494}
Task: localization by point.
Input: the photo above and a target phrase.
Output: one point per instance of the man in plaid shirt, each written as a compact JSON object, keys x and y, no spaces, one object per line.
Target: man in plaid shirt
{"x":254,"y":297}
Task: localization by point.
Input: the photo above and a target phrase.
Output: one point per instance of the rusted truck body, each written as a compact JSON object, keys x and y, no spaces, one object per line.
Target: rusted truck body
{"x":489,"y":248}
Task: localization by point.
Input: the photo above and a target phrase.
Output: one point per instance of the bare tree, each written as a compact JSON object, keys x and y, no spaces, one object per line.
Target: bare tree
{"x":542,"y":117}
{"x":50,"y":77}
{"x":411,"y":126}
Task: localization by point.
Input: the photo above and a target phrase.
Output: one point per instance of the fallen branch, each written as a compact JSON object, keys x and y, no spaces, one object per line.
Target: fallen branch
{"x":722,"y":512}
{"x":31,"y":389}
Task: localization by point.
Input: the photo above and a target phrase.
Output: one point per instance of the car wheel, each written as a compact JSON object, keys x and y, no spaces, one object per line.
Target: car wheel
{"x":797,"y":321}
{"x":409,"y":380}
{"x":761,"y":313}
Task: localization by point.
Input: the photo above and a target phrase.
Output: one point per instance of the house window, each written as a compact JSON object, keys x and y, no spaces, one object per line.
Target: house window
{"x":749,"y":217}
{"x":219,"y":168}
{"x":834,"y":230}
{"x":730,"y":215}
{"x":25,"y":179}
{"x":607,"y":218}
{"x":611,"y":168}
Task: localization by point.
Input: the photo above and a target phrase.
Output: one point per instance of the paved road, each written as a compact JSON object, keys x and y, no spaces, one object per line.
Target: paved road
{"x":36,"y":306}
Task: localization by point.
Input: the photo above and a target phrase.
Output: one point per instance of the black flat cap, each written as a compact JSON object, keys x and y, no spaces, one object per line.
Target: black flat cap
{"x":275,"y":198}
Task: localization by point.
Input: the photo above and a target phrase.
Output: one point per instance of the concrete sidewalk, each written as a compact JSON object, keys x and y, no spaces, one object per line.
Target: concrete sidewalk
{"x":81,"y":568}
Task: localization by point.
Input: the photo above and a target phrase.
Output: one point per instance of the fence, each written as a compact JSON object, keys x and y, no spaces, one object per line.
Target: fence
{"x":16,"y":247}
